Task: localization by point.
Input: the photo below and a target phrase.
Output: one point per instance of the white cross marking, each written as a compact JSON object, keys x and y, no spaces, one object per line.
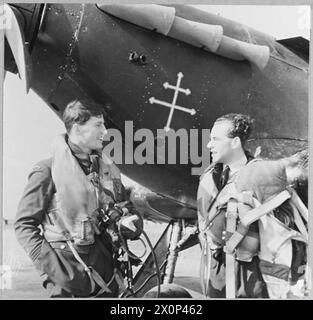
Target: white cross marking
{"x":173,"y":105}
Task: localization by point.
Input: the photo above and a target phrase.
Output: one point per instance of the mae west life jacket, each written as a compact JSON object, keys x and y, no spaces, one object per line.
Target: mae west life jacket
{"x":212,"y":224}
{"x":217,"y":222}
{"x":72,"y":213}
{"x":267,"y":182}
{"x":260,"y":188}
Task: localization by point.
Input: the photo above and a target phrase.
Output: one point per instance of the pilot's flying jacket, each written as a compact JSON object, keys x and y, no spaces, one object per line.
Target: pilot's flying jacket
{"x":273,"y":252}
{"x":212,"y":228}
{"x":59,"y":203}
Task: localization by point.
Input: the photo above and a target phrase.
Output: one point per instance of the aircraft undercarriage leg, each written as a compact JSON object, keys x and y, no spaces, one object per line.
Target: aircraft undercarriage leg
{"x":166,"y":250}
{"x":173,"y":252}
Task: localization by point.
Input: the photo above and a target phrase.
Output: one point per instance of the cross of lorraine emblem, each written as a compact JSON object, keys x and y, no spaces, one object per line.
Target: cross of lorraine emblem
{"x":173,"y":105}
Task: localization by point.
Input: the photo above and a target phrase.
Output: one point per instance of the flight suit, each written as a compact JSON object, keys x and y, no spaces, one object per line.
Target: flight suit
{"x":64,"y":275}
{"x":212,"y":227}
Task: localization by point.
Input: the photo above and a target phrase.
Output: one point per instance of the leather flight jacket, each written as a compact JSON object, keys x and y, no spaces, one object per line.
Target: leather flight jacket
{"x":73,"y":211}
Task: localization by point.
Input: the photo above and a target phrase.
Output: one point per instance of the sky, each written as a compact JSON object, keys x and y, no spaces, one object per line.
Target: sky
{"x":29,"y":125}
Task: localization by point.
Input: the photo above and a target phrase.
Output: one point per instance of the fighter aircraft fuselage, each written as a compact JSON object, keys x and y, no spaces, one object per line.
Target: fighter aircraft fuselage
{"x":81,"y":51}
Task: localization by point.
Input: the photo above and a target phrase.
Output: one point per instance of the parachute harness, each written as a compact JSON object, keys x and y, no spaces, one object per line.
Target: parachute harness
{"x":236,"y":232}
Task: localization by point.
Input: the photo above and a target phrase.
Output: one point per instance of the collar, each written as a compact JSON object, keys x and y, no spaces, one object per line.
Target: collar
{"x":88,"y":162}
{"x":79,"y":153}
{"x":238,"y":164}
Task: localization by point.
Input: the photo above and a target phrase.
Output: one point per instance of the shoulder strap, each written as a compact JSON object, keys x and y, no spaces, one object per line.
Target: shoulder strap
{"x":235,"y":235}
{"x":260,"y":210}
{"x":253,"y":215}
{"x":230,"y":272}
{"x":296,"y":200}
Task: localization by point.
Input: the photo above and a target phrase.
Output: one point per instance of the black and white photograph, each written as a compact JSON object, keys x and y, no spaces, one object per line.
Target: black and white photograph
{"x":155,"y":151}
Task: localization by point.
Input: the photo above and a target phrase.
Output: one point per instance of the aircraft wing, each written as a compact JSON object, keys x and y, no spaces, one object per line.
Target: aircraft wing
{"x":161,"y":208}
{"x":83,"y":51}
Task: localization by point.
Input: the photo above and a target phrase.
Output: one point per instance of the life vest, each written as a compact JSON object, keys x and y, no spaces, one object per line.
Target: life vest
{"x":72,"y":212}
{"x":212,"y":206}
{"x":266,"y":182}
{"x":260,"y":188}
{"x":217,"y":221}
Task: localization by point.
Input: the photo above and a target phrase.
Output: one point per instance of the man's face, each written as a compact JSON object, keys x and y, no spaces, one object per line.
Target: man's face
{"x":220,"y":144}
{"x":92,"y":133}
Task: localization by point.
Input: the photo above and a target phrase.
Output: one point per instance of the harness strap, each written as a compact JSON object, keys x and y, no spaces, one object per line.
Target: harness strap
{"x":298,"y":221}
{"x":119,"y":280}
{"x":296,"y":200}
{"x":78,"y":258}
{"x":243,"y":197}
{"x":259,"y":211}
{"x":205,"y":266}
{"x":230,"y":272}
{"x":299,"y":208}
{"x":94,"y":276}
{"x":236,"y":238}
{"x":104,"y":286}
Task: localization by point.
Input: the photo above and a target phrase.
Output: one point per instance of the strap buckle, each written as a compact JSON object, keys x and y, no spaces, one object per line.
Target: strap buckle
{"x":230,"y":251}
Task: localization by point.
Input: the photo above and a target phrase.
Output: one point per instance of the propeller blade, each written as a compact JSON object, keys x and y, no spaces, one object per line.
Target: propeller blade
{"x":15,"y":37}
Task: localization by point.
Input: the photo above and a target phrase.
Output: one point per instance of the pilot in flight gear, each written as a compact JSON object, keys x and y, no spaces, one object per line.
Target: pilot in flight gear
{"x":252,"y":224}
{"x":57,"y":221}
{"x":228,"y":136}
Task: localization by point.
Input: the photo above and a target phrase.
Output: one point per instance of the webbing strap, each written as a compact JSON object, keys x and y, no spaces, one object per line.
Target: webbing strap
{"x":78,"y":258}
{"x":230,"y":276}
{"x":251,"y":216}
{"x":119,"y":280}
{"x":236,"y":238}
{"x":104,"y":286}
{"x":92,"y":273}
{"x":299,"y":237}
{"x":230,"y":272}
{"x":298,"y":221}
{"x":296,"y":200}
{"x":256,"y":213}
{"x":205,"y":267}
{"x":299,"y":208}
{"x":243,"y":197}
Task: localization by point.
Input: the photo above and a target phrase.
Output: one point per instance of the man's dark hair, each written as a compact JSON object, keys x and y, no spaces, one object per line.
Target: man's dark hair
{"x":80,"y":111}
{"x":241,"y":125}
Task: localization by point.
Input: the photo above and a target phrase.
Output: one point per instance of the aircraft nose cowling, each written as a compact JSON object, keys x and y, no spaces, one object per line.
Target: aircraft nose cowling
{"x":207,"y":36}
{"x":151,"y":16}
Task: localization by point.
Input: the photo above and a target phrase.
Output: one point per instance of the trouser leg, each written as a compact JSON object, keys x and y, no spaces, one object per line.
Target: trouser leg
{"x":217,"y":275}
